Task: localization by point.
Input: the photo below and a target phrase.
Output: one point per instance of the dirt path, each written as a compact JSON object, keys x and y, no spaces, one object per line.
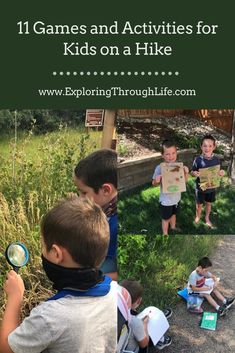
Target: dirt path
{"x":185,"y":332}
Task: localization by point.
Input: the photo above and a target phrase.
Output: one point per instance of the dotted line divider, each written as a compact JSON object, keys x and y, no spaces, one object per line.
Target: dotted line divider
{"x":115,"y":73}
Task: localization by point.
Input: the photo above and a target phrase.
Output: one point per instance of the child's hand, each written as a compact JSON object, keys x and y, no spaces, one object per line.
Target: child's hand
{"x":186,"y":170}
{"x":145,"y":320}
{"x":158,"y":179}
{"x":209,"y":287}
{"x":195,"y":173}
{"x":14,"y":286}
{"x":221,"y":172}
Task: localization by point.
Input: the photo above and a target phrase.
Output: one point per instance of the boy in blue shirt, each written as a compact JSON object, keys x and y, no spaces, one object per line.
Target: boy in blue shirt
{"x":205,"y":160}
{"x":96,"y":177}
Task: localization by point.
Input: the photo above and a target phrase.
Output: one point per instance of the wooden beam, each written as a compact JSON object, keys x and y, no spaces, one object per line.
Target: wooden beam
{"x":109,"y":129}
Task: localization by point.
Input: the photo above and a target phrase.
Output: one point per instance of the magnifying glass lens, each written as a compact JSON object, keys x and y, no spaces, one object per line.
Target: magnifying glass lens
{"x":17,"y":255}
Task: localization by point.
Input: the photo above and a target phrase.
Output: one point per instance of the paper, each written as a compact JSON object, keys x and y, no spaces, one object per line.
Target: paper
{"x":209,"y":178}
{"x":209,"y":282}
{"x":209,"y":321}
{"x":173,"y":179}
{"x":157,"y":325}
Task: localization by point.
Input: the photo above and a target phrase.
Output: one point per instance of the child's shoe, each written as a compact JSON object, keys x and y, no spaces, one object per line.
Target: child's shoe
{"x":167,"y":341}
{"x":222,"y":311}
{"x":229,"y":302}
{"x":167,"y":312}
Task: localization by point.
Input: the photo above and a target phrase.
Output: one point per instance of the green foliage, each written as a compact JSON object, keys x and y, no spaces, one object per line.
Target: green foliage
{"x":139,"y":209}
{"x":161,"y":264}
{"x":122,"y":150}
{"x":32,"y":178}
{"x":42,"y":120}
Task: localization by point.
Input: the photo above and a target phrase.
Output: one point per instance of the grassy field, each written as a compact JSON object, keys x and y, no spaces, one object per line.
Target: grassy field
{"x":34,"y":174}
{"x":139,"y":210}
{"x":162,"y":264}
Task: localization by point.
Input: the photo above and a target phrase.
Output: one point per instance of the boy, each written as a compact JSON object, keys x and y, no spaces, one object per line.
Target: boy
{"x":81,"y":317}
{"x":96,"y":177}
{"x":205,"y":160}
{"x":139,"y":326}
{"x":197,"y":285}
{"x":169,"y":202}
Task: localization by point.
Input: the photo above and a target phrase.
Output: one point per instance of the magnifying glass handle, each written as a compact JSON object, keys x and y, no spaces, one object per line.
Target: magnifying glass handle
{"x":16,"y":269}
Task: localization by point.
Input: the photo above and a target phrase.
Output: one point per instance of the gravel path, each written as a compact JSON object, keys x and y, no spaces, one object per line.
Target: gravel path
{"x":184,"y":327}
{"x":137,"y":138}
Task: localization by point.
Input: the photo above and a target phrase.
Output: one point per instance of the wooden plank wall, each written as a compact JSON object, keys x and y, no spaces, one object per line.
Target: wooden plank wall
{"x":140,"y":170}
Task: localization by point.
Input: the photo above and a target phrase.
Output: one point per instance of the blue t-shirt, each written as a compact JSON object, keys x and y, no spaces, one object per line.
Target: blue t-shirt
{"x":203,"y":162}
{"x":113,"y":227}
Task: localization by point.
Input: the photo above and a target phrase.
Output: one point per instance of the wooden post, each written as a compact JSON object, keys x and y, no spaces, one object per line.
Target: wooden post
{"x":233,"y":151}
{"x":109,"y":130}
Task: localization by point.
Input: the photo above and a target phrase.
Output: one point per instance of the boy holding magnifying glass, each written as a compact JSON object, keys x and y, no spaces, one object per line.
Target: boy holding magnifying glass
{"x":81,"y":317}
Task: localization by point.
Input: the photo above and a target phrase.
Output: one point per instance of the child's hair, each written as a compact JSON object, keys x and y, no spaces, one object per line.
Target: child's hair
{"x":81,"y":227}
{"x":134,"y":288}
{"x":208,"y":137}
{"x":167,"y":144}
{"x":98,"y":168}
{"x":205,"y":262}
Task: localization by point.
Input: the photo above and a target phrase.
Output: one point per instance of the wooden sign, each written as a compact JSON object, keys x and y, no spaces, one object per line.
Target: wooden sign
{"x":173,"y":179}
{"x":209,"y":177}
{"x":94,"y":117}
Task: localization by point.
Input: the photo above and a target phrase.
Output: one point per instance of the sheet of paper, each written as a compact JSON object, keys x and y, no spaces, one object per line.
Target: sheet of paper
{"x":209,"y":282}
{"x":173,"y":179}
{"x":157,"y":325}
{"x":209,"y":178}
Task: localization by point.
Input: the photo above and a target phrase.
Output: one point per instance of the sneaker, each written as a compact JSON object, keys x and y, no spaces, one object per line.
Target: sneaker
{"x":167,"y":312}
{"x":229,"y":302}
{"x":167,"y":341}
{"x":222,"y":311}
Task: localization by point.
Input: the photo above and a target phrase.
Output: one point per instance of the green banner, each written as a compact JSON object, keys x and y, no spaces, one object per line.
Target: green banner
{"x":171,"y":54}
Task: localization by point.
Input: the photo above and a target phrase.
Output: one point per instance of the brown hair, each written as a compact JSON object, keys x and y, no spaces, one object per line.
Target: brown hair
{"x":81,"y":227}
{"x":167,"y":144}
{"x":134,"y":288}
{"x":205,"y":262}
{"x":98,"y":168}
{"x":208,"y":137}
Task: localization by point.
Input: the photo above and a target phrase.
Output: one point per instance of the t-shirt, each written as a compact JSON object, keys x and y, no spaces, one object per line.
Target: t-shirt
{"x":113,"y":227}
{"x":197,"y":280}
{"x":69,"y":325}
{"x":137,"y":333}
{"x":166,"y":199}
{"x":203,"y":162}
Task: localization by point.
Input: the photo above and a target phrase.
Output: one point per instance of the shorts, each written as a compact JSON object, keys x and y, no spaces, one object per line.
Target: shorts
{"x":202,"y":197}
{"x":168,"y":211}
{"x":109,"y":265}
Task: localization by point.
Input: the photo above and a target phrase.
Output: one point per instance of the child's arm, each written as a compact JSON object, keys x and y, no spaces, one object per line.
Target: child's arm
{"x":144,"y":342}
{"x":201,"y":289}
{"x":186,"y":171}
{"x":14,"y":288}
{"x":157,"y":180}
{"x":195,"y":173}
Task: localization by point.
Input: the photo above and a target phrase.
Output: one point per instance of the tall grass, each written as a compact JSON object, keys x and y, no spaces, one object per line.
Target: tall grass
{"x":162,"y":264}
{"x":33,"y":176}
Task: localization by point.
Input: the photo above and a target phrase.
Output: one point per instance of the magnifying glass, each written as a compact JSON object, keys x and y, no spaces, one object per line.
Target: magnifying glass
{"x":17,"y":255}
